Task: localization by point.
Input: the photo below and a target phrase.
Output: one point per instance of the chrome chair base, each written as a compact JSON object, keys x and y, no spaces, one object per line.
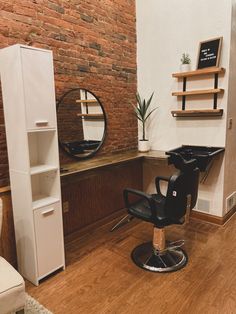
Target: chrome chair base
{"x":171,"y":259}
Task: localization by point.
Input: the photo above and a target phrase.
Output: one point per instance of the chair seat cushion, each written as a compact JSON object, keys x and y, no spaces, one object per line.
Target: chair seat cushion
{"x":12,"y":288}
{"x":141,"y":210}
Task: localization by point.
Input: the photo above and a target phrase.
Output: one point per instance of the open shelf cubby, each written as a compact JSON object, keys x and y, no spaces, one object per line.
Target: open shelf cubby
{"x":44,"y":189}
{"x":42,"y":151}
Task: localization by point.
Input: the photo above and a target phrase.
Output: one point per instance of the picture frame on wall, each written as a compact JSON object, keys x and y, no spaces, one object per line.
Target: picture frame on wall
{"x":209,"y":53}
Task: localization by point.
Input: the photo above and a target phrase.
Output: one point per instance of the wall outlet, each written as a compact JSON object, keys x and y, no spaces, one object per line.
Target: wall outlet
{"x":230,"y":201}
{"x":65,"y":207}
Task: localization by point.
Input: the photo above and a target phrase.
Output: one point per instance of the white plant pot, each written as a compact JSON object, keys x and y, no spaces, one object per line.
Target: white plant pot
{"x":143,"y":146}
{"x":185,"y":67}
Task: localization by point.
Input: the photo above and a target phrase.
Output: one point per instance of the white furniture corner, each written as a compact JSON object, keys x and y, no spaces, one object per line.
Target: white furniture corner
{"x":28,"y":91}
{"x":12,"y":285}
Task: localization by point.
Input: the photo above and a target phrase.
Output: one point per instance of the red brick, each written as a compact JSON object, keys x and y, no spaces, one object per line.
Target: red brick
{"x":98,"y":36}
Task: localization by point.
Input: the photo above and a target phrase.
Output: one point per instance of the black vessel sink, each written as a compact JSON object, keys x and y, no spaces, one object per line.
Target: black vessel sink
{"x":203,"y":154}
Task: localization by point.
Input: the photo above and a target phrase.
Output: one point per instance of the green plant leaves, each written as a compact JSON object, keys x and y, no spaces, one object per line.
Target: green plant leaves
{"x":185,"y":58}
{"x":141,"y":110}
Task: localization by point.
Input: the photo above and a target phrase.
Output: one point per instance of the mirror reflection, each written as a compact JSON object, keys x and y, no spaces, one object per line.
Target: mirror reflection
{"x":81,"y":123}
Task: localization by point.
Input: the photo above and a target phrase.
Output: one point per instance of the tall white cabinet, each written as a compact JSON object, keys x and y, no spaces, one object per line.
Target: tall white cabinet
{"x":28,"y":91}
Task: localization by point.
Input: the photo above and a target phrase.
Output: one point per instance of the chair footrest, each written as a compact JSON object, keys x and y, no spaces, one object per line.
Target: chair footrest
{"x":173,"y":245}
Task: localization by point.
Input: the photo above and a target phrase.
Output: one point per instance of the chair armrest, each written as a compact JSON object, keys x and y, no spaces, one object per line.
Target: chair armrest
{"x":157,"y":182}
{"x":143,"y":195}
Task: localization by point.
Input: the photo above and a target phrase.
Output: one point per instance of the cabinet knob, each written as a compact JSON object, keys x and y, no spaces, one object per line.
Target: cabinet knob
{"x":41,"y":122}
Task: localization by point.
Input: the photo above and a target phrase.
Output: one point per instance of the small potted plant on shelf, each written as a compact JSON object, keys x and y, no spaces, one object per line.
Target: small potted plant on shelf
{"x":142,"y":113}
{"x":185,"y":63}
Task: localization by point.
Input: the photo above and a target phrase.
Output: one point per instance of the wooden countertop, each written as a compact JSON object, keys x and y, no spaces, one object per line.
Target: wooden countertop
{"x":111,"y":159}
{"x":105,"y":161}
{"x":5,"y":189}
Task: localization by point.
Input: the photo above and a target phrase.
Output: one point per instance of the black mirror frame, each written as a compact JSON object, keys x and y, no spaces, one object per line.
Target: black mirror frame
{"x":105,"y":125}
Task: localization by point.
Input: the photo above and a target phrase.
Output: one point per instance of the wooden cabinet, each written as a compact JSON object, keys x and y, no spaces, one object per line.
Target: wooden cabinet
{"x":215,"y":71}
{"x":30,"y":118}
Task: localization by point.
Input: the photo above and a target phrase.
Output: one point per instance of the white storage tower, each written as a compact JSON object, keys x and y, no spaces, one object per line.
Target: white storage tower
{"x":28,"y":91}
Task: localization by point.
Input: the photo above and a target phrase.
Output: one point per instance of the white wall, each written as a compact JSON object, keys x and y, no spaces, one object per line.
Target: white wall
{"x":166,"y":29}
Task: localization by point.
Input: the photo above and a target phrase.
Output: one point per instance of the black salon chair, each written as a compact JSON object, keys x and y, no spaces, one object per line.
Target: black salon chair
{"x":162,"y":211}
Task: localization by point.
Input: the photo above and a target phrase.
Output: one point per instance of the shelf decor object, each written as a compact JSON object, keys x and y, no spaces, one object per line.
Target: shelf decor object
{"x":215,"y":71}
{"x":209,"y":53}
{"x":185,"y":63}
{"x":30,"y":119}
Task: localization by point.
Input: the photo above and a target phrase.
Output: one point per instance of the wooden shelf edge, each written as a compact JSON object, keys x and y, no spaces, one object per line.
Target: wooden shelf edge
{"x":87,"y":101}
{"x":34,"y":170}
{"x":197,"y":113}
{"x":199,"y":92}
{"x":206,"y":71}
{"x":92,"y":116}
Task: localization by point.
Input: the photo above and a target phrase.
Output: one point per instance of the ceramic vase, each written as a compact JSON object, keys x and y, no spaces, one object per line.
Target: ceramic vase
{"x":185,"y":67}
{"x":143,"y":146}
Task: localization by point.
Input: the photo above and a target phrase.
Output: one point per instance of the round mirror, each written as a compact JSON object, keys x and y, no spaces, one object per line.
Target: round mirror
{"x":81,"y":123}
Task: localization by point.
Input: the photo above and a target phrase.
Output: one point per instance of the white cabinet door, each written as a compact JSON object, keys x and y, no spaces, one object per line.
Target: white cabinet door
{"x":49,"y":239}
{"x":39,"y":91}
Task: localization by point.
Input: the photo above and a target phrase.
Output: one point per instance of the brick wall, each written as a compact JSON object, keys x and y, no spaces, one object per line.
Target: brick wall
{"x":94,"y":47}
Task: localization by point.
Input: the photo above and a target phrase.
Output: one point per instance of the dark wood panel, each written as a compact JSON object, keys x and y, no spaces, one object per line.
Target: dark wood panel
{"x":7,"y":238}
{"x":94,"y":195}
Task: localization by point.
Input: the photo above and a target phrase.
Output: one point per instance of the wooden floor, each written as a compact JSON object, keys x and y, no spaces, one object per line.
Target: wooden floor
{"x":101,"y":278}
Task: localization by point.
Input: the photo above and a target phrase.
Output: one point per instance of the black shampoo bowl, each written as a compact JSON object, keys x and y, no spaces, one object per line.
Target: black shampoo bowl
{"x":203,"y":154}
{"x":79,"y":147}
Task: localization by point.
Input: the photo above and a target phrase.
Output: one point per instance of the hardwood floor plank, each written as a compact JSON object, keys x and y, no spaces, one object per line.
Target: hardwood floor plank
{"x":100,"y":276}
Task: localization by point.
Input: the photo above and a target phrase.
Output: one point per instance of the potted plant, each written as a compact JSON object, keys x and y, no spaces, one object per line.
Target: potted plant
{"x":185,"y":63}
{"x":142,"y":113}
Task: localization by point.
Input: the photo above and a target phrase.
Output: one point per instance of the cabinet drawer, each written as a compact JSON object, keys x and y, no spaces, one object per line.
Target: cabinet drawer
{"x":49,"y":239}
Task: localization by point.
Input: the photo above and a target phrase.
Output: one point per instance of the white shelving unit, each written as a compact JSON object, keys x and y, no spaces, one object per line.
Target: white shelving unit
{"x":28,"y":91}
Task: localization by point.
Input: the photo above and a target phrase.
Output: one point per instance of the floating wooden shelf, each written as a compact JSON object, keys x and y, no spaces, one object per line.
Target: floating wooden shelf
{"x":215,"y":71}
{"x":199,"y":92}
{"x":197,"y":113}
{"x":91,"y":115}
{"x":87,"y":101}
{"x":206,"y":71}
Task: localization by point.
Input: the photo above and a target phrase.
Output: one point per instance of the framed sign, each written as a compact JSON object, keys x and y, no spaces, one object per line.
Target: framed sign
{"x":209,"y":53}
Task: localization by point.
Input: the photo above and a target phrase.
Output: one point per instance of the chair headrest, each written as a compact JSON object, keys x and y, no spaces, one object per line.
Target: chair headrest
{"x":182,"y":164}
